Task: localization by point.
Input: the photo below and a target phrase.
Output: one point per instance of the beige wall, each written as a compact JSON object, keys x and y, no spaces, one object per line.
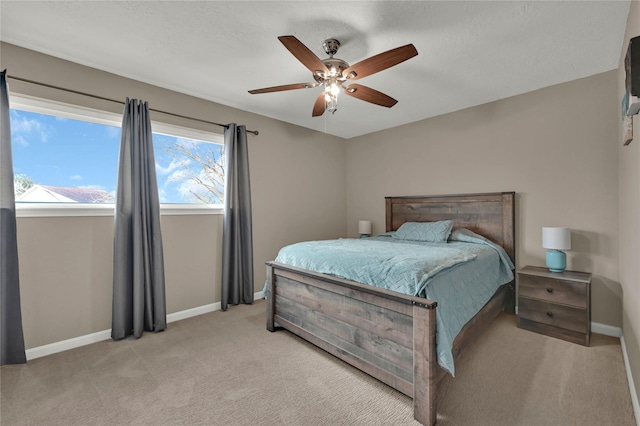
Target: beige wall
{"x":629,"y":217}
{"x":555,"y":147}
{"x":297,"y":178}
{"x":66,"y":271}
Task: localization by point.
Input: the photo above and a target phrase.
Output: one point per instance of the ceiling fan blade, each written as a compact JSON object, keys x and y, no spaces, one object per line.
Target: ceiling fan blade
{"x":319,"y":106}
{"x":303,"y":54}
{"x":282,"y":88}
{"x":370,"y":95}
{"x":380,"y":62}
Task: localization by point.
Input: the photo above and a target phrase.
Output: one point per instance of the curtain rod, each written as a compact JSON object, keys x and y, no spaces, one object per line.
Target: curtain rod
{"x":255,"y":132}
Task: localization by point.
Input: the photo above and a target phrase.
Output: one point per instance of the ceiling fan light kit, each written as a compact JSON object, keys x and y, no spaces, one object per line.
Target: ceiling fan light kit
{"x":332,"y":73}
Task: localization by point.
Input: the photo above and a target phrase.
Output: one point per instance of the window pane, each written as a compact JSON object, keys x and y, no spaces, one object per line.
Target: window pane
{"x":59,"y":159}
{"x":189,"y":170}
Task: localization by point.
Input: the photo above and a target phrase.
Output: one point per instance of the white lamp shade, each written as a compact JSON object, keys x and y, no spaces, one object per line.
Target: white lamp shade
{"x":556,"y":238}
{"x":364,"y":227}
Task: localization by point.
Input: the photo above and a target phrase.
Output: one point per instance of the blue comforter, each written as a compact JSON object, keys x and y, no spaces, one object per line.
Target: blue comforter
{"x":461,"y":275}
{"x":383,"y":262}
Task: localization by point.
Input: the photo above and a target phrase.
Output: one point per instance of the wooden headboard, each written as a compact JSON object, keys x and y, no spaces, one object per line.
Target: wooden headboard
{"x":490,"y":215}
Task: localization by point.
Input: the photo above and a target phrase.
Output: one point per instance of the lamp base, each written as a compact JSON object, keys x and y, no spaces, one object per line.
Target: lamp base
{"x":556,"y":260}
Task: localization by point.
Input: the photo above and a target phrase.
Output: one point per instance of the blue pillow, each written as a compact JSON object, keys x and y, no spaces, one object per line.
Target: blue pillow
{"x":433,"y":232}
{"x":467,"y":236}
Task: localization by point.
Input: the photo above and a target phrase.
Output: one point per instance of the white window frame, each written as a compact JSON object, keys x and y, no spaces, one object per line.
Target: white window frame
{"x":103,"y":117}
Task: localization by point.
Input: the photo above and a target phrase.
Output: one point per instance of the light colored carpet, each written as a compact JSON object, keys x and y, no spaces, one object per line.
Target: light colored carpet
{"x":225,"y":368}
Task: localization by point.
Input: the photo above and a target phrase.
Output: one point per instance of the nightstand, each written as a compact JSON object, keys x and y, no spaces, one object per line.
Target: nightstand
{"x":557,"y":304}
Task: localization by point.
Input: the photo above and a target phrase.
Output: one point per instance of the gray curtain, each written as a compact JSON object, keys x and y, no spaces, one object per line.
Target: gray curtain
{"x":138,"y":263}
{"x":237,"y":240}
{"x":11,"y":337}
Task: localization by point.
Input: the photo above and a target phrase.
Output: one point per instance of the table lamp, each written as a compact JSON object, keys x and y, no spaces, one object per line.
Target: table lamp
{"x":556,"y":239}
{"x":364,"y":228}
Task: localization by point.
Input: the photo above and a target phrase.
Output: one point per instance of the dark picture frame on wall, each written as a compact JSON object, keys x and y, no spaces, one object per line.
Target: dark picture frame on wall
{"x":631,"y":99}
{"x":632,"y":78}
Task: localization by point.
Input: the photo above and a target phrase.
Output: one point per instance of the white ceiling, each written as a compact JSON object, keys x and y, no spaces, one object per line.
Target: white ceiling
{"x":470,"y":52}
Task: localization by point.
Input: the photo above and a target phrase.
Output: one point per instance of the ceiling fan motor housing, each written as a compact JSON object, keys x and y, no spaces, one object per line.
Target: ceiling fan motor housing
{"x":332,"y":64}
{"x":331,"y":46}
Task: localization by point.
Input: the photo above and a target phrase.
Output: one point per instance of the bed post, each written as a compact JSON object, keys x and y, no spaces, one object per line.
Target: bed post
{"x":271,"y":298}
{"x":508,"y":242}
{"x":388,"y":214}
{"x":424,"y":364}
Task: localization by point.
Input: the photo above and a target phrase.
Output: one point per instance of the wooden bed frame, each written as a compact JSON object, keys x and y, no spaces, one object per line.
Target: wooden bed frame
{"x":389,"y":335}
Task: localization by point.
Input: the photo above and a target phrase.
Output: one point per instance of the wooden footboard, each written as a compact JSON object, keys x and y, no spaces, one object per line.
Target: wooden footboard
{"x":387,"y":335}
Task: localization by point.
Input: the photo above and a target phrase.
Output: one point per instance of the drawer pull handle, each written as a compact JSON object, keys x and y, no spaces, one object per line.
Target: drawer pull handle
{"x":549,"y":290}
{"x":550,"y":314}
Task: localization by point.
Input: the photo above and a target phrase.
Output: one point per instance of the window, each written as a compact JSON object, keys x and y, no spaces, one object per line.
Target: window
{"x":66,"y":155}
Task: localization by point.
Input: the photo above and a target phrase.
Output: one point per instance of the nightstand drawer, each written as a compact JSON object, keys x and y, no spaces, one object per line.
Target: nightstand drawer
{"x":566,"y":317}
{"x":553,"y":290}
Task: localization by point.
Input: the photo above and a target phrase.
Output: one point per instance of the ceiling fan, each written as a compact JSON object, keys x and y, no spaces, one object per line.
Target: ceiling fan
{"x":332,"y":73}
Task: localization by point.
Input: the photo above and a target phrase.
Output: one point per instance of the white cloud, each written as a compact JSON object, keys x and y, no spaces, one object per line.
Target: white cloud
{"x":20,"y":140}
{"x":178,"y":176}
{"x":21,"y":127}
{"x":75,"y":177}
{"x":100,"y":187}
{"x":189,"y":187}
{"x":24,"y":125}
{"x":172,"y":166}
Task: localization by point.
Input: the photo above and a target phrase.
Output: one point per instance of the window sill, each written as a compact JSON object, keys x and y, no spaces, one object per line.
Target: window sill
{"x":71,"y":210}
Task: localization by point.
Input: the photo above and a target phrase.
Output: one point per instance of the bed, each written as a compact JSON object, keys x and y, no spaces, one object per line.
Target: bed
{"x":386,"y":334}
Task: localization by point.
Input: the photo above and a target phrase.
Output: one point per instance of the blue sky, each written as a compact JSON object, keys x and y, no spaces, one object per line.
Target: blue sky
{"x":66,"y":152}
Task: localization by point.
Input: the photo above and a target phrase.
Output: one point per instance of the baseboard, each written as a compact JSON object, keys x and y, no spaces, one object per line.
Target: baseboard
{"x":607,"y":330}
{"x":612,"y":331}
{"x":632,"y":386}
{"x":99,"y":336}
{"x":65,"y":345}
{"x":193,"y":312}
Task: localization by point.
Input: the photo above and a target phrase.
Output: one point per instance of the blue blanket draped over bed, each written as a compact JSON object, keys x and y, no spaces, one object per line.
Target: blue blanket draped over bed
{"x":461,"y":275}
{"x":384,"y":264}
